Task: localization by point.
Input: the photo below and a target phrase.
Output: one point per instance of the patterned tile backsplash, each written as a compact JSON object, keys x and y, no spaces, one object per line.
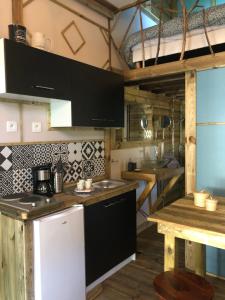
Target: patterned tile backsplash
{"x":82,"y":160}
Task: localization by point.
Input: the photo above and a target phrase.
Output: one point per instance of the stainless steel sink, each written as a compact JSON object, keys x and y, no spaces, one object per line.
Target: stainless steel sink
{"x":154,"y":164}
{"x":108,"y":184}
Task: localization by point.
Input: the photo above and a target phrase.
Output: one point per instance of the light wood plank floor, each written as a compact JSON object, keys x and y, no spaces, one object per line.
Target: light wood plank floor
{"x":134,"y":282}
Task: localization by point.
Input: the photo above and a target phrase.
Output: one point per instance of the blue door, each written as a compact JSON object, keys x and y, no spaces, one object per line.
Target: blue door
{"x":211,"y":147}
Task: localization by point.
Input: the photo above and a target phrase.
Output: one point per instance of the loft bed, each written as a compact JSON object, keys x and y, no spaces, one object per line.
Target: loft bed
{"x":205,"y":34}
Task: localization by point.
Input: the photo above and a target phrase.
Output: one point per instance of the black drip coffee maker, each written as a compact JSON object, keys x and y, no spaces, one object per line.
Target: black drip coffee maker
{"x":43,"y":180}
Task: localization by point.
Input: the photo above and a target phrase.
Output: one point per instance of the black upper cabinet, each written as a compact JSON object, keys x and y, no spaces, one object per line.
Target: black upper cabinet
{"x":97,"y":97}
{"x":33,"y":72}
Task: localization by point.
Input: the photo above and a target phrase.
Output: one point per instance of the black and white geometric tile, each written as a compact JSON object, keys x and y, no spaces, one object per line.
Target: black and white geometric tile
{"x":59,"y":151}
{"x":74,"y":152}
{"x":22,"y":156}
{"x":6,"y":182}
{"x":88,"y":169}
{"x":5,"y":158}
{"x":82,"y":160}
{"x":73,"y":171}
{"x":22,"y":180}
{"x":99,"y":149}
{"x":99,"y":166}
{"x":42,"y":154}
{"x":88,"y":150}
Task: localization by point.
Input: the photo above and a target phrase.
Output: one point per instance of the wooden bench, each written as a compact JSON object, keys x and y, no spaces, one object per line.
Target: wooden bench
{"x":182,"y":285}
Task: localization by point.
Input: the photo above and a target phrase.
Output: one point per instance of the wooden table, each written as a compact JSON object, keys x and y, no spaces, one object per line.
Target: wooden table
{"x":183,"y":220}
{"x":151,"y":176}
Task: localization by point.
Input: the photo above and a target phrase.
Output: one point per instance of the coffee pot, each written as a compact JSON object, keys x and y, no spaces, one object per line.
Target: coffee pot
{"x":43,"y":180}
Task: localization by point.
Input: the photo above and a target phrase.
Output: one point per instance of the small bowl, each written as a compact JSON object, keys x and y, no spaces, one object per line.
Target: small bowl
{"x":200,"y":198}
{"x":211,"y":204}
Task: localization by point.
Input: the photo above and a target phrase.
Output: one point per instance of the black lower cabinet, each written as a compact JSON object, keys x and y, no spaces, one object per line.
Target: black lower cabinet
{"x":110,"y":234}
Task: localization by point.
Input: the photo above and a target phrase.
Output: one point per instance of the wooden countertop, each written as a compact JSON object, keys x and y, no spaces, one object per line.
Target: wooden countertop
{"x":66,"y":200}
{"x":183,"y":212}
{"x":183,"y":220}
{"x":157,"y":174}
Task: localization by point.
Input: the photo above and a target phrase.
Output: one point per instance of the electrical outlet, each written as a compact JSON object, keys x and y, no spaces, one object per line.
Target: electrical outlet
{"x":11,"y":126}
{"x":36,"y":126}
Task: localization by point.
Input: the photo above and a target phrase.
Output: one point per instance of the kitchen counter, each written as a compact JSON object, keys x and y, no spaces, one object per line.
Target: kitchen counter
{"x":17,"y":239}
{"x":65,"y":200}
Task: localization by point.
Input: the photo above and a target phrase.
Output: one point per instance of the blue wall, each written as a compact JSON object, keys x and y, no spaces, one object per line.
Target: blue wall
{"x":211,"y":147}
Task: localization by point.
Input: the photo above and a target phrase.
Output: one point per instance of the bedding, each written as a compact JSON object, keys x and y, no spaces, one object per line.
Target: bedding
{"x":172,"y":37}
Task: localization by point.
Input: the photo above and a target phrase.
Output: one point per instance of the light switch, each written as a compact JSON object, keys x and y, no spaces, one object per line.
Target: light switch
{"x":11,"y":126}
{"x":36,"y":126}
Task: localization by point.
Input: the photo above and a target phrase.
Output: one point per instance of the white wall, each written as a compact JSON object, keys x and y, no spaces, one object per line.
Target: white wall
{"x":25,"y":114}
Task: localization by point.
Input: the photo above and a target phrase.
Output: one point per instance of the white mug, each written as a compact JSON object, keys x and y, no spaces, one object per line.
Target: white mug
{"x":80,"y":186}
{"x":40,"y":41}
{"x":88,"y":184}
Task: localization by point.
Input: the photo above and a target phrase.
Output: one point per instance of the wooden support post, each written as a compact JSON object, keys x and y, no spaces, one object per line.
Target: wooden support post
{"x":206,"y":33}
{"x":146,"y":193}
{"x":190,"y":147}
{"x":142,"y":38}
{"x":150,"y":182}
{"x":195,"y":257}
{"x":185,"y":21}
{"x":170,"y":252}
{"x":159,"y":34}
{"x":199,"y":259}
{"x":167,"y":188}
{"x":17,"y":12}
{"x":110,"y":45}
{"x":190,"y":131}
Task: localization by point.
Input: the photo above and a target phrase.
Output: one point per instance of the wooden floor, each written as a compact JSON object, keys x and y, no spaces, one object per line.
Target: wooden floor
{"x":134,"y":282}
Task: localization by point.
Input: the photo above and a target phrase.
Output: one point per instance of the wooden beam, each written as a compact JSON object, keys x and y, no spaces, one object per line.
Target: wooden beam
{"x":98,"y":7}
{"x":196,"y":63}
{"x":17,"y":12}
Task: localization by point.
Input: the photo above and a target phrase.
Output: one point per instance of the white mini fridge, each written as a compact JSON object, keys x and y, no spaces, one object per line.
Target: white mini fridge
{"x":59,"y":257}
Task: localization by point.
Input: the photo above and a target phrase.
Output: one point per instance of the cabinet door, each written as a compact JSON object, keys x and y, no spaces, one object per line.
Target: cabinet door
{"x":98,"y":97}
{"x":110,"y":234}
{"x":33,"y":72}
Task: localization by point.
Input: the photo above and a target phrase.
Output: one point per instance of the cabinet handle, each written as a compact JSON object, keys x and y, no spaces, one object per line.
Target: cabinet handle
{"x":42,"y":87}
{"x":115,"y":203}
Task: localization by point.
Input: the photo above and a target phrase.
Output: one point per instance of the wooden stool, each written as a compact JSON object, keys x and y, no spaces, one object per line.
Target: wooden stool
{"x":182,"y":285}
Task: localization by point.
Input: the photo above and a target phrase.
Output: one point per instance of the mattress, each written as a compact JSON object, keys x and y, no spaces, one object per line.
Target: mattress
{"x":194,"y":39}
{"x":172,"y":31}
